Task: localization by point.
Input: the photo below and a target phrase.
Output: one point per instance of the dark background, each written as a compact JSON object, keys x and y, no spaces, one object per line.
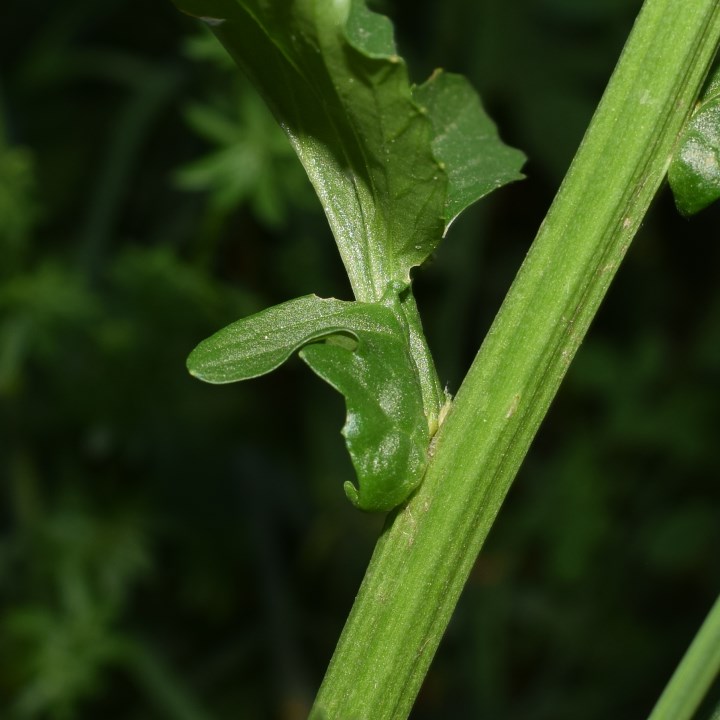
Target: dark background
{"x":178,"y":551}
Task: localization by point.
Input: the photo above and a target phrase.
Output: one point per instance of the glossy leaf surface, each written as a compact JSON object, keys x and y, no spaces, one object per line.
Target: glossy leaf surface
{"x":389,"y":172}
{"x":465,"y":141}
{"x":694,"y":173}
{"x":360,"y":350}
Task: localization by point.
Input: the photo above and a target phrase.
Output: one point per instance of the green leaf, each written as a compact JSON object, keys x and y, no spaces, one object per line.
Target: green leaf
{"x":258,"y":344}
{"x":694,"y":172}
{"x":465,"y":142}
{"x":363,"y":355}
{"x":385,"y":430}
{"x":389,"y":173}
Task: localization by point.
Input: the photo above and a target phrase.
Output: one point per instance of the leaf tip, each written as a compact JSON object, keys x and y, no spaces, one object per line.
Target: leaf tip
{"x":198,"y":367}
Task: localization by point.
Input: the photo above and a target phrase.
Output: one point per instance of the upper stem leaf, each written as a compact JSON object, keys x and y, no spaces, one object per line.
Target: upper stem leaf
{"x":466,"y":142}
{"x":391,"y":165}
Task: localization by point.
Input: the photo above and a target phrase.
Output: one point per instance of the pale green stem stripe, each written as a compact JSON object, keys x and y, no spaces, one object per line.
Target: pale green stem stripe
{"x":426,"y":552}
{"x":697,"y":671}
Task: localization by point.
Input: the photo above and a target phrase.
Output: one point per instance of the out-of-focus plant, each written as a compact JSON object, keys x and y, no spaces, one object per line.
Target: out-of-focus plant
{"x":250,"y":161}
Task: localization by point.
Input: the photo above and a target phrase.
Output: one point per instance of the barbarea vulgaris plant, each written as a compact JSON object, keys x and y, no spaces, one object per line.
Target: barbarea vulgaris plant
{"x":393,"y":165}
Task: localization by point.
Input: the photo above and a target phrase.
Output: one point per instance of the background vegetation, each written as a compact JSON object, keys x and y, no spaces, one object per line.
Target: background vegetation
{"x":175,"y":550}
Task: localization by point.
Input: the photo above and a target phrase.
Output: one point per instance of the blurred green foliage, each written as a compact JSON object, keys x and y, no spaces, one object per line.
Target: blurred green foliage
{"x":174,"y":550}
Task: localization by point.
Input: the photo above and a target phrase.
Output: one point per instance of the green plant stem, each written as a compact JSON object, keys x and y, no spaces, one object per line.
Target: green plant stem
{"x":427,"y":549}
{"x":694,"y":675}
{"x":432,"y":392}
